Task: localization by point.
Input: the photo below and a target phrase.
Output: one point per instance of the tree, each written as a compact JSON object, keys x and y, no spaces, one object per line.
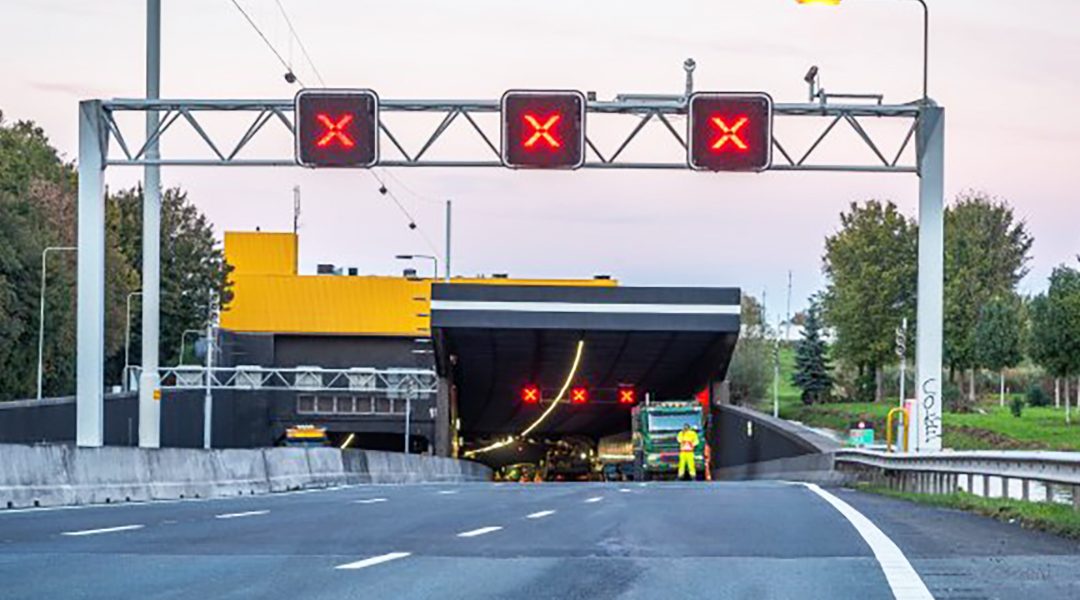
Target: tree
{"x":194,"y":275}
{"x":812,"y":369}
{"x":986,"y":255}
{"x":998,"y":337}
{"x":1055,"y":326}
{"x":749,"y":372}
{"x":871,"y":269}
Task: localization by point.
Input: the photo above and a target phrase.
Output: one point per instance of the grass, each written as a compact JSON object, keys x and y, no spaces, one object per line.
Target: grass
{"x":994,"y":428}
{"x":1058,"y":519}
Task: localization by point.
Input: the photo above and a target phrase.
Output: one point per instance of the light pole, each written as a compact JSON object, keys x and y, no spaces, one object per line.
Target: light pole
{"x":926,"y":38}
{"x":127,"y":342}
{"x":41,"y":314}
{"x":433,"y":259}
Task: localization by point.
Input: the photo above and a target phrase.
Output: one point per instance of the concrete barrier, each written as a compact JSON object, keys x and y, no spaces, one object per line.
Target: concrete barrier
{"x":56,"y":475}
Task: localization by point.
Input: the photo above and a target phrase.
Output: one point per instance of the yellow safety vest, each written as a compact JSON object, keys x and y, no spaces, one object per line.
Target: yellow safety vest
{"x":688,"y":440}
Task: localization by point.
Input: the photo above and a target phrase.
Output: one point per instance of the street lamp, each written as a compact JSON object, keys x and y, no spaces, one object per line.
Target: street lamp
{"x":433,"y":259}
{"x":926,"y":37}
{"x":127,"y":342}
{"x":41,"y":314}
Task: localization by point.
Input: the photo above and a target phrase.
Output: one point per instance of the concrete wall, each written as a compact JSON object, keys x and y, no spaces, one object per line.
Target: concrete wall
{"x":55,"y":475}
{"x":751,"y":445}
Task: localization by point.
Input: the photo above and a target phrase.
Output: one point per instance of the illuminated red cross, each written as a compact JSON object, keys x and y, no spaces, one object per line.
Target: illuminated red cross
{"x":729,"y":133}
{"x":530,"y":395}
{"x":579,"y":395}
{"x":542,"y":131}
{"x":627,"y":395}
{"x":334,"y":131}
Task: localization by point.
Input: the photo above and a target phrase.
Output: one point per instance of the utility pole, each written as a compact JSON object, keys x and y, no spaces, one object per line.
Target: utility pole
{"x":787,"y":323}
{"x":295,"y":209}
{"x":449,"y":209}
{"x":901,"y":352}
{"x":149,"y":384}
{"x":208,"y":398}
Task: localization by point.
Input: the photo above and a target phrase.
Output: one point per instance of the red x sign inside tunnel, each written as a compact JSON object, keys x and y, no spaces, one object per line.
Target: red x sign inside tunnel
{"x":579,"y":395}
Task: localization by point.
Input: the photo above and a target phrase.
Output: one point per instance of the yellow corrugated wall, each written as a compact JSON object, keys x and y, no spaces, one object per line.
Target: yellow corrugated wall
{"x":268,"y":295}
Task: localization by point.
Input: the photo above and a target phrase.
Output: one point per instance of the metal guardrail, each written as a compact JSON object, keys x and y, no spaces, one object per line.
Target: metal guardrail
{"x":392,"y":383}
{"x":947,"y":472}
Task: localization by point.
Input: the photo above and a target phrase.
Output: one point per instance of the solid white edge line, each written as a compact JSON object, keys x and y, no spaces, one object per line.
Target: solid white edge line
{"x":374,"y":560}
{"x":594,"y":499}
{"x":540,"y":515}
{"x":237,"y":515}
{"x":587,"y":307}
{"x":370,"y":501}
{"x":480,"y":531}
{"x":901,"y":576}
{"x":102,"y":530}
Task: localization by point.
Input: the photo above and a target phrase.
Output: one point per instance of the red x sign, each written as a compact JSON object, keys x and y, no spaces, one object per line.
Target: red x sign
{"x":731,"y":133}
{"x":627,"y":395}
{"x":530,"y":394}
{"x":542,"y":131}
{"x":334,"y":131}
{"x":579,"y":395}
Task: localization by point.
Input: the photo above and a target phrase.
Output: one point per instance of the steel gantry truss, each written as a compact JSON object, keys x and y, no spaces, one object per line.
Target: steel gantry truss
{"x":604,"y":151}
{"x":383,"y":382}
{"x":101,"y":128}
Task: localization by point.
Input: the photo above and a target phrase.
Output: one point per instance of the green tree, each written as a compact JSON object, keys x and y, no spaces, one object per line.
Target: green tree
{"x":812,"y":369}
{"x":750,"y":370}
{"x":194,"y":275}
{"x":1055,"y":326}
{"x":998,"y":335}
{"x":871,"y":269}
{"x":986,"y":254}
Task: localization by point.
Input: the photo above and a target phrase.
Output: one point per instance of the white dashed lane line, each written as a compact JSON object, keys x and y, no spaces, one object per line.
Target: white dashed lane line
{"x":237,"y":515}
{"x":625,"y":490}
{"x":103,"y":530}
{"x":594,"y":499}
{"x":447,"y":492}
{"x":476,"y":532}
{"x":374,"y":560}
{"x":540,"y":515}
{"x":370,"y":501}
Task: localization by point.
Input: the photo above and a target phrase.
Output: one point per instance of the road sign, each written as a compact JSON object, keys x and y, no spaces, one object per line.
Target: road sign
{"x":337,"y":128}
{"x":730,"y":132}
{"x":543,"y":129}
{"x":627,"y":395}
{"x":579,"y":395}
{"x":530,"y":394}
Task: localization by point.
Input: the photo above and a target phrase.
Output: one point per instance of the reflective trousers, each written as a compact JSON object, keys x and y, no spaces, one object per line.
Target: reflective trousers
{"x":686,"y":463}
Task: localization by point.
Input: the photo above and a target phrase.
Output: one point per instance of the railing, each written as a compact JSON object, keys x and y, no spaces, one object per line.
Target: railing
{"x":392,"y":383}
{"x":1027,"y":476}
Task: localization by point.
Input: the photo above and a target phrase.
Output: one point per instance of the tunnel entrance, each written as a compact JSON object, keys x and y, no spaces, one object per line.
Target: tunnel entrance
{"x":507,"y":354}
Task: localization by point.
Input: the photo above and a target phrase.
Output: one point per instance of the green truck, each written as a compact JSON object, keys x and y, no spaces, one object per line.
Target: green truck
{"x":654,"y":429}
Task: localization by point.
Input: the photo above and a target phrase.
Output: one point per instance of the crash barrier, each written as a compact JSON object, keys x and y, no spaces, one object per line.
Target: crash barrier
{"x":59,"y":475}
{"x":1027,"y":476}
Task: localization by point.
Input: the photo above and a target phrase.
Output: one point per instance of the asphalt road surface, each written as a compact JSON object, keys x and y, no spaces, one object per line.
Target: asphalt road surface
{"x":564,"y":541}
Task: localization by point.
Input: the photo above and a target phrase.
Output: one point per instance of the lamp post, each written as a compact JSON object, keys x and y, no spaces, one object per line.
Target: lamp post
{"x":41,"y":314}
{"x":926,"y":37}
{"x":127,"y":342}
{"x":434,"y":260}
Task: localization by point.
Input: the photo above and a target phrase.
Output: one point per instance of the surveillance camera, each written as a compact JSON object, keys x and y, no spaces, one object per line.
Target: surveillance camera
{"x":289,"y":77}
{"x":811,"y":75}
{"x":689,"y":64}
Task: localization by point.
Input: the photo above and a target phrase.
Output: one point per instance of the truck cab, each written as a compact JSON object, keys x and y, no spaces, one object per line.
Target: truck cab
{"x":655,"y":428}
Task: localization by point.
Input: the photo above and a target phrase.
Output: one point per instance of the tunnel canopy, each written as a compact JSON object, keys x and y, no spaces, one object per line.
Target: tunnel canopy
{"x":494,"y":340}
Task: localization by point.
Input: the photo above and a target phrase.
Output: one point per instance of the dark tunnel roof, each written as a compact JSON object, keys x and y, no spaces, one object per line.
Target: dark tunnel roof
{"x":495,"y":339}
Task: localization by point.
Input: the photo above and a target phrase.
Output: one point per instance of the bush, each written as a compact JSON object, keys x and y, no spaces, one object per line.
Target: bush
{"x":1016,"y":407}
{"x":951,"y":396}
{"x":1037,"y":396}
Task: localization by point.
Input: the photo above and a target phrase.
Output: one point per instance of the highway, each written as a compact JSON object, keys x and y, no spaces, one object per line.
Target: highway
{"x":565,"y":541}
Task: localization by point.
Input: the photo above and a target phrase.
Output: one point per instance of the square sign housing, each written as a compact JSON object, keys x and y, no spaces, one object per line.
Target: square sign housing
{"x":543,"y":129}
{"x":730,"y":132}
{"x":337,"y":128}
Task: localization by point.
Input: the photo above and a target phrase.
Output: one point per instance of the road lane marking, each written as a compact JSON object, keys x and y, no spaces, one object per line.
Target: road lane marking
{"x":370,"y":501}
{"x":103,"y":530}
{"x":541,"y":514}
{"x":901,"y":576}
{"x":447,"y":492}
{"x":594,"y":499}
{"x":625,"y":490}
{"x":374,"y":560}
{"x":476,"y":532}
{"x":237,"y":515}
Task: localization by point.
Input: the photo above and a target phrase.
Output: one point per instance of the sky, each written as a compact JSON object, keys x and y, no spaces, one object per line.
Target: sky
{"x":1005,"y":71}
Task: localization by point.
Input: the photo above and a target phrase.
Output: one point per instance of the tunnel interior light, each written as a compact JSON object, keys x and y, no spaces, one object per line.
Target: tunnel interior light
{"x":348,"y":441}
{"x":819,"y":2}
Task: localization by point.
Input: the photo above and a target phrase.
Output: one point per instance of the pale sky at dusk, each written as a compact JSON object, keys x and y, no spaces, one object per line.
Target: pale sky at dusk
{"x":1006,"y":71}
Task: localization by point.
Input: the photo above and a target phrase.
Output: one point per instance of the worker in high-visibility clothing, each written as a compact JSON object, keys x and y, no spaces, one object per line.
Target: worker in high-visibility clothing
{"x":688,"y":440}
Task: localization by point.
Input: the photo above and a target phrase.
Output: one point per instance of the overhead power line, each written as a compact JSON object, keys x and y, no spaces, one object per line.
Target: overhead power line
{"x":284,"y":63}
{"x":300,"y":43}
